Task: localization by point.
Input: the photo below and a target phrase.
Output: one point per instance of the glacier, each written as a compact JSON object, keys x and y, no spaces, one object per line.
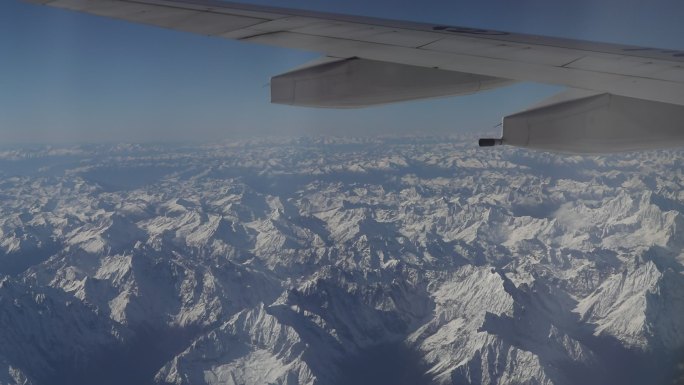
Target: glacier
{"x":333,"y":261}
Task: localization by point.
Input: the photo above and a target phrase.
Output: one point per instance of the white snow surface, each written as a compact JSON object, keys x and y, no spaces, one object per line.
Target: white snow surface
{"x":290,"y":261}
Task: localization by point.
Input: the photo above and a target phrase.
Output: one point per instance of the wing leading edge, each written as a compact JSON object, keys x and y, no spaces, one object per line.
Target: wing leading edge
{"x":444,"y":60}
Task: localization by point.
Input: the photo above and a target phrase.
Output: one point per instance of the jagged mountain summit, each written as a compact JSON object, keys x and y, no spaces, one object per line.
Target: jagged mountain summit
{"x":340,"y":261}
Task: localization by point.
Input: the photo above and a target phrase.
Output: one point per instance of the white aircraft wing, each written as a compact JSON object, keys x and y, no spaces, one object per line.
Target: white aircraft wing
{"x":625,"y":90}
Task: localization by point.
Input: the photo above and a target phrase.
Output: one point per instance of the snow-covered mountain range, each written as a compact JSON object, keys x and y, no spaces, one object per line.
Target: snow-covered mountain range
{"x":340,"y":261}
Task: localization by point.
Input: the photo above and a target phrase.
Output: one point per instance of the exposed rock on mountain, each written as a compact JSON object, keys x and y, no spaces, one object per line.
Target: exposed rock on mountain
{"x":338,"y":261}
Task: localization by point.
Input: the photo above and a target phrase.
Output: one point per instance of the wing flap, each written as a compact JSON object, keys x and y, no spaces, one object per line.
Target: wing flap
{"x":107,"y":8}
{"x":194,"y":19}
{"x":207,"y":23}
{"x":163,"y":18}
{"x":368,"y":33}
{"x":638,"y":67}
{"x":508,"y":51}
{"x":289,"y":23}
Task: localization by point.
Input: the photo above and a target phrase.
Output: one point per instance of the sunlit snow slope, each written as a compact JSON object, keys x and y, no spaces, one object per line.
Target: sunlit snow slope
{"x":340,"y":261}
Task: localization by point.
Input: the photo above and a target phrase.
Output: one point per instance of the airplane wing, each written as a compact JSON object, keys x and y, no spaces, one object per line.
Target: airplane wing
{"x":627,"y":97}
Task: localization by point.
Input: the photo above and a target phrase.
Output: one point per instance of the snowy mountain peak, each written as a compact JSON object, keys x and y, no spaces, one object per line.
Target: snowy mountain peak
{"x":340,"y":261}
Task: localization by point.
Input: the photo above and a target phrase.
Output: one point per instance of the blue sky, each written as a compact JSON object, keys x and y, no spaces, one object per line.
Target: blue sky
{"x":69,"y":77}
